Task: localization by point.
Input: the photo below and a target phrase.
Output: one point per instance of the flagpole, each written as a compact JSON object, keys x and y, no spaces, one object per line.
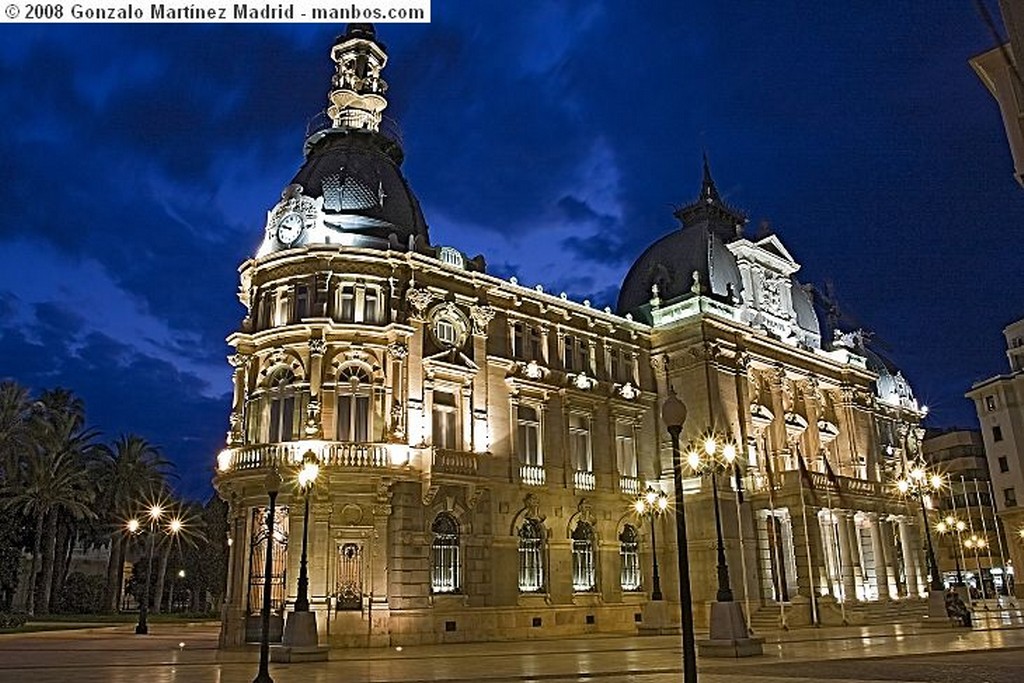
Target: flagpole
{"x":743,"y":553}
{"x":960,"y":550}
{"x":807,"y":536}
{"x":839,"y":555}
{"x":999,"y":538}
{"x":773,"y":546}
{"x":984,"y":531}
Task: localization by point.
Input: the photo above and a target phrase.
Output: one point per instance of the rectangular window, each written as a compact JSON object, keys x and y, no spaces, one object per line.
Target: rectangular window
{"x":528,"y":436}
{"x":615,"y":369}
{"x":579,"y":441}
{"x":534,"y":350}
{"x":518,"y":340}
{"x":1010,"y":497}
{"x":1004,"y":465}
{"x":371,"y":305}
{"x":444,"y":420}
{"x":266,"y":309}
{"x":282,"y":419}
{"x":625,"y":449}
{"x":997,"y":433}
{"x":301,"y":303}
{"x":990,"y":403}
{"x":347,"y":308}
{"x":569,"y":353}
{"x":354,"y":418}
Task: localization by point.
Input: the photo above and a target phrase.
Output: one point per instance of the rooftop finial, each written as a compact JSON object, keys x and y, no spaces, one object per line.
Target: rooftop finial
{"x":357,"y":89}
{"x":710,"y":210}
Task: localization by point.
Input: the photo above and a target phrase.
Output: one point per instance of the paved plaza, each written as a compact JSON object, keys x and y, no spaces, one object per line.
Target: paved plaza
{"x":992,"y":652}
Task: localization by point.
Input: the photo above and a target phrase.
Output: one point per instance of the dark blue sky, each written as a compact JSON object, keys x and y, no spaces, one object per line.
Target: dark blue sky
{"x":137,"y":164}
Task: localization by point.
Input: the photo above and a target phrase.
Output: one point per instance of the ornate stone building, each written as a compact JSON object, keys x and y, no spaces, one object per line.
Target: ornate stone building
{"x":481,"y":443}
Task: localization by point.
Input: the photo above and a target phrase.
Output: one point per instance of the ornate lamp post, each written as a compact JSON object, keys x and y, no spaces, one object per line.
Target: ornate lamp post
{"x":918,"y":485}
{"x":716,"y":458}
{"x":307,"y":477}
{"x":653,"y":503}
{"x":977,"y":544}
{"x":273,"y":484}
{"x":952,"y":525}
{"x":673,"y":414}
{"x":154,"y":513}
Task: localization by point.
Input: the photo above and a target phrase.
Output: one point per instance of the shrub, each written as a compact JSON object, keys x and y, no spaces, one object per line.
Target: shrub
{"x":82,"y":594}
{"x":10,"y":621}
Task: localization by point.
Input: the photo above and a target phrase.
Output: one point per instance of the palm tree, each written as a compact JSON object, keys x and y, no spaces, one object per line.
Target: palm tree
{"x":53,"y":481}
{"x":15,"y":409}
{"x":133,"y":470}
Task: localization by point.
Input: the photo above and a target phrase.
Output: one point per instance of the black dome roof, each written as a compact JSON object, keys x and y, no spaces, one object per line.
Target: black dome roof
{"x":364,"y":192}
{"x":671,"y":262}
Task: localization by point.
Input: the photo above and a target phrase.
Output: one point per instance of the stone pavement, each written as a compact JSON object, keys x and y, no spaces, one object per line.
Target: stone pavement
{"x":993,"y":652}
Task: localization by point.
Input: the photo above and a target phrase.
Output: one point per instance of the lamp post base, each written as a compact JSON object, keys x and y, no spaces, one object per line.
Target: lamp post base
{"x":660,"y":618}
{"x":936,"y":617}
{"x":728,"y":635}
{"x":300,"y":642}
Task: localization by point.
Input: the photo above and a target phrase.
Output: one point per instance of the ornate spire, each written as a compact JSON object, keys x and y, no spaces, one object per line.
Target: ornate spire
{"x":710,"y":210}
{"x":357,"y":94}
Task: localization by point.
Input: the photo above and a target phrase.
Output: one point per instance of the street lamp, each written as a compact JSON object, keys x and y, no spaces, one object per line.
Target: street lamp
{"x":652,"y":503}
{"x":977,"y":544}
{"x":919,"y":484}
{"x":307,"y":477}
{"x":272,"y":484}
{"x":154,"y":513}
{"x":952,"y":525}
{"x":716,"y":458}
{"x":673,"y":414}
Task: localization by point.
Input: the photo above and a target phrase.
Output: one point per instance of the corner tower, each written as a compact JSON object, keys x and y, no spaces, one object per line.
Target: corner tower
{"x":350,"y":190}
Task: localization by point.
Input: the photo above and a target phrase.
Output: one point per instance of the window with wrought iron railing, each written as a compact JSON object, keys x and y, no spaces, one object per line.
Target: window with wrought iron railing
{"x":583,"y":565}
{"x":531,"y":557}
{"x":444,"y":555}
{"x":629,"y":559}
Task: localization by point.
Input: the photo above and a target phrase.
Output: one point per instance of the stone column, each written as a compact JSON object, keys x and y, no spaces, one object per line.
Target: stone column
{"x":314,"y":428}
{"x":240,"y":363}
{"x":846,"y":558}
{"x":910,"y":561}
{"x":878,"y":549}
{"x":885,"y":537}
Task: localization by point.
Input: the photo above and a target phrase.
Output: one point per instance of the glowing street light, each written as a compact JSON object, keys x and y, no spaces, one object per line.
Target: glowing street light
{"x":977,"y":544}
{"x":919,"y":484}
{"x":653,"y":503}
{"x":952,"y":525}
{"x":306,"y":478}
{"x":717,"y":458}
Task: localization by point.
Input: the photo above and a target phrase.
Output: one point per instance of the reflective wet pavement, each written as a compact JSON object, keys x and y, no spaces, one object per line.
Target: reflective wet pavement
{"x":993,"y":652}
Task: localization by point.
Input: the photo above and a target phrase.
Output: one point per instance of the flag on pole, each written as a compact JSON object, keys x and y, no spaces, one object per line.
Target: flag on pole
{"x":805,"y":474}
{"x":830,"y":473}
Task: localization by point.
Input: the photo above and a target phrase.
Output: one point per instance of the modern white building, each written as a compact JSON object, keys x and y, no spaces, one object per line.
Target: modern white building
{"x":481,"y":443}
{"x":999,"y":402}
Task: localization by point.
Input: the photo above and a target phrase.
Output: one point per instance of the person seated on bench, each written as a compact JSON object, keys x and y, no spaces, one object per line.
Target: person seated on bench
{"x":956,"y":609}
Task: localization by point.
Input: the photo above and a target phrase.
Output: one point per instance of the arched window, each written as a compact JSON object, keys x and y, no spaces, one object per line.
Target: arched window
{"x":444,"y":555}
{"x":531,"y":557}
{"x":354,"y":393}
{"x":629,"y":558}
{"x":284,"y":407}
{"x":583,"y":573}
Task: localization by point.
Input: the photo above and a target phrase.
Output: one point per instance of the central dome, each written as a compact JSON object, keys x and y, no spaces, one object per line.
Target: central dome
{"x":356,"y":173}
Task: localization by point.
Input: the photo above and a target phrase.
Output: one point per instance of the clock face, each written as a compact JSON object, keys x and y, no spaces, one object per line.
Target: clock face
{"x":289,"y":227}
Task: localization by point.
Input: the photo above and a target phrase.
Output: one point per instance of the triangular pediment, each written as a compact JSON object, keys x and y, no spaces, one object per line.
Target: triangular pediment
{"x":773,"y":245}
{"x":452,"y":360}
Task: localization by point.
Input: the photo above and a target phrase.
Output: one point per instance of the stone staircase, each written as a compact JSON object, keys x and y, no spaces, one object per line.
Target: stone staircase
{"x":767,"y":617}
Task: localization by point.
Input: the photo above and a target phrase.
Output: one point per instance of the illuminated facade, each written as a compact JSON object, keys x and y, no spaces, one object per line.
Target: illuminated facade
{"x":481,"y":442}
{"x":998,"y":403}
